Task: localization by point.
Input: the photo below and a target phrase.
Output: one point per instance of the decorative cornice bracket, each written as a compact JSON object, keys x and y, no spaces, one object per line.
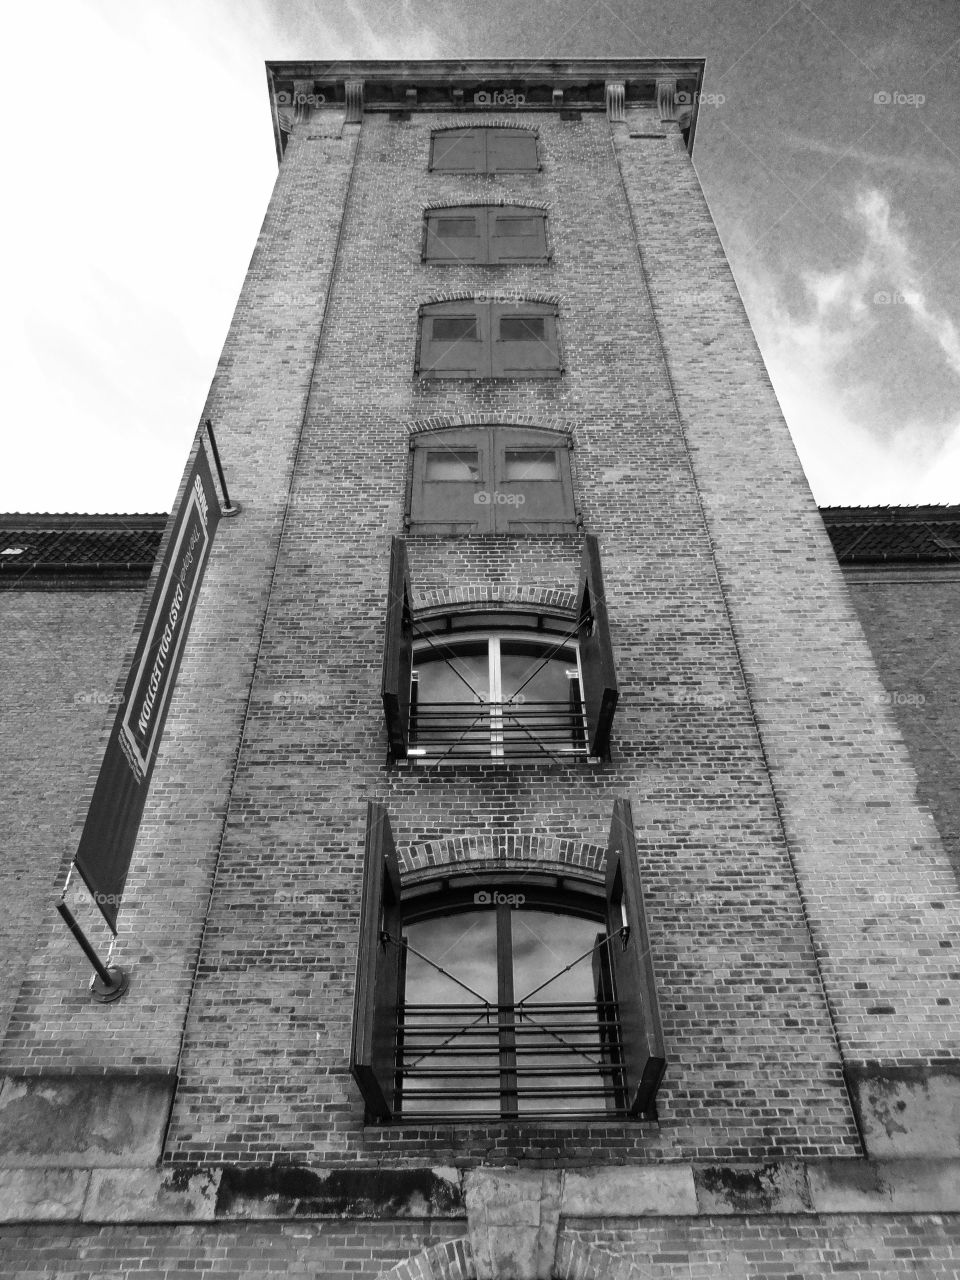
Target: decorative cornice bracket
{"x":667,"y":100}
{"x":353,"y":95}
{"x":616,"y":101}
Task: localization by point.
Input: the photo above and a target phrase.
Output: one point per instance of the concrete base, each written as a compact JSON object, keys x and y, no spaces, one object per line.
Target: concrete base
{"x":62,"y":1122}
{"x":907,"y":1112}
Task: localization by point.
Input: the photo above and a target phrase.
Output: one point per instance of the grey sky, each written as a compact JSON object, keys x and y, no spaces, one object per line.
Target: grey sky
{"x":138,"y":137}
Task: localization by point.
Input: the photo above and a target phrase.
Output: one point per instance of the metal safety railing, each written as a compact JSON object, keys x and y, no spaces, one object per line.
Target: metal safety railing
{"x":512,"y":1060}
{"x":514,"y":730}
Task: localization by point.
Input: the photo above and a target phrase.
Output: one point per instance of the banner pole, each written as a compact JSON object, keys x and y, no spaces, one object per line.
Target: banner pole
{"x":229,"y":509}
{"x":110,"y":984}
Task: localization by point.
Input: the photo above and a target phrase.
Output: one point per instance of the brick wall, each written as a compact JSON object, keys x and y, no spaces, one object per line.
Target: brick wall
{"x":754,"y":1066}
{"x":750,"y":735}
{"x":910,"y":617}
{"x":61,"y":652}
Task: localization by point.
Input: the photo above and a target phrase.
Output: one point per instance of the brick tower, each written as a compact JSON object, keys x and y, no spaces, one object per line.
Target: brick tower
{"x":532,"y":880}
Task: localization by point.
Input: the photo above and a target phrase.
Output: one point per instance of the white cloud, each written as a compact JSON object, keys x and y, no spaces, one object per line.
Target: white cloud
{"x":848,"y":460}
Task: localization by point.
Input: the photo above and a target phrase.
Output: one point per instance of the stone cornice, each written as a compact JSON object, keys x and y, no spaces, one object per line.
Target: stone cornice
{"x":477,"y":86}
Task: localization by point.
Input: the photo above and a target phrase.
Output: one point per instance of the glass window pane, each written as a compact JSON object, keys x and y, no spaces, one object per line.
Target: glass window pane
{"x":453,"y":464}
{"x":452,"y":716}
{"x":559,"y":1051}
{"x":455,"y":328}
{"x":523,"y":329}
{"x":459,"y":228}
{"x":518,"y":226}
{"x":530,"y":672}
{"x":531,"y":464}
{"x":457,"y":1032}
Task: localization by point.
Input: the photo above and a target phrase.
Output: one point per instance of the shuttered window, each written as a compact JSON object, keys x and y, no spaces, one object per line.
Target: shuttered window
{"x":485,"y":234}
{"x":590,"y":698}
{"x":486,"y":149}
{"x":529,"y":997}
{"x":600,"y":689}
{"x":631,"y":959}
{"x":491,"y":479}
{"x":479,"y":339}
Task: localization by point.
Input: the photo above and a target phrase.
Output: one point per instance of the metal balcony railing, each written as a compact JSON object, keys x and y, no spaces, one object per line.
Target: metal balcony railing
{"x":510,"y":730}
{"x":520,"y":1061}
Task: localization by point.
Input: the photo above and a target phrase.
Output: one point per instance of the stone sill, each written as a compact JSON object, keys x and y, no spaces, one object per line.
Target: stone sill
{"x":196,"y":1194}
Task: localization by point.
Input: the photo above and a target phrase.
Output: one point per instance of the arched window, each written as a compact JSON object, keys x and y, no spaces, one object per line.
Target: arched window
{"x":477,"y":338}
{"x":503,"y":693}
{"x":485,"y":234}
{"x":491,"y":479}
{"x":485,"y":149}
{"x":507,"y":996}
{"x":505,"y":686}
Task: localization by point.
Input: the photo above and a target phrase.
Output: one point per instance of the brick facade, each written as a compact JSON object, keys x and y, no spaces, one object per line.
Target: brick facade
{"x":801,"y":907}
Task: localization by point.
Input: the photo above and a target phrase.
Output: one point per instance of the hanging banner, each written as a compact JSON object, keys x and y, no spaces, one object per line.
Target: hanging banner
{"x":110,"y":832}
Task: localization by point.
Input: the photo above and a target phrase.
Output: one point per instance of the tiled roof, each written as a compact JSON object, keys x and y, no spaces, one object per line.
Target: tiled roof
{"x":891,"y":535}
{"x":127,"y":545}
{"x":79,"y":545}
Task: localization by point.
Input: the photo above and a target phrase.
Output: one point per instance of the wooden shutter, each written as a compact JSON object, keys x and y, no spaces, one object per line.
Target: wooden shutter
{"x":517,"y":235}
{"x":441,"y":504}
{"x":600,"y":690}
{"x":458,"y":151}
{"x":398,"y":651}
{"x":454,"y":340}
{"x":456,"y":235}
{"x":510,"y":150}
{"x":634,"y":980}
{"x":524,"y":340}
{"x":534,"y":504}
{"x":378,"y":993}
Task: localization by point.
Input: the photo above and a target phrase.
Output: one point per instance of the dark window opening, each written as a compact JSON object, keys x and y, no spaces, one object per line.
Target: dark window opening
{"x":523,"y":329}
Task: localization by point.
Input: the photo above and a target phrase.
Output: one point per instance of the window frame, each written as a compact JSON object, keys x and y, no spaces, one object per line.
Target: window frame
{"x":484,"y":131}
{"x":428,"y":511}
{"x":497,"y":725}
{"x":486,"y":216}
{"x":589,"y":624}
{"x":637,"y":1050}
{"x":488,"y":359}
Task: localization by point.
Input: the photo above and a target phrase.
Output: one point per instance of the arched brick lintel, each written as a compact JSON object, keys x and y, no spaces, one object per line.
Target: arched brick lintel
{"x":506,"y":850}
{"x":475,"y":295}
{"x":454,"y":1260}
{"x":480,"y":596}
{"x":503,"y":200}
{"x":488,"y":420}
{"x":487,"y":122}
